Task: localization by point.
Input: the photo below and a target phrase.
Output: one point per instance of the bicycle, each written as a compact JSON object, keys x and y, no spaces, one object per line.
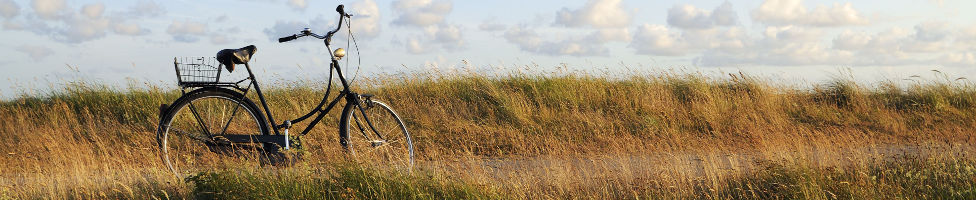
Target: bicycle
{"x":206,"y":124}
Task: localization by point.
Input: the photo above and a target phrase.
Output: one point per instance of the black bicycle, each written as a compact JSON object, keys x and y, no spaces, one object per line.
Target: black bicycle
{"x":215,"y":122}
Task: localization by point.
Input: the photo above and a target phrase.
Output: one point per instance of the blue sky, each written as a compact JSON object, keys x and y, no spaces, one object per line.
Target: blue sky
{"x":48,"y":42}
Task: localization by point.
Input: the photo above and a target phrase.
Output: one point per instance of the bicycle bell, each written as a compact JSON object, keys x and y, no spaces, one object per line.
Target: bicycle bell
{"x":339,"y":53}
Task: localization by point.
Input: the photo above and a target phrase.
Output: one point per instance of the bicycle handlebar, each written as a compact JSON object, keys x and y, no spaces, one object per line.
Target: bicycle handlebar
{"x":289,"y":38}
{"x":327,"y":37}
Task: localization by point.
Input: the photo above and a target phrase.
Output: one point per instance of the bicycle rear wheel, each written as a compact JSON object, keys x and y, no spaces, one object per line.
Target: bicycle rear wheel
{"x":374,"y":134}
{"x":192,"y":133}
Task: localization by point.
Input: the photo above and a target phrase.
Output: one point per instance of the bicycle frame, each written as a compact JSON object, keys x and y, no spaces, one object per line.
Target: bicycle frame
{"x":345,"y":93}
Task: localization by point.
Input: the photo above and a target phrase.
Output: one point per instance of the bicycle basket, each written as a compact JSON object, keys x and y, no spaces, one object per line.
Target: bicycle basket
{"x":196,"y":71}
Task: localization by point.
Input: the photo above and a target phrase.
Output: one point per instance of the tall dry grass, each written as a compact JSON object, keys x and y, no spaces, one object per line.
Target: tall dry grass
{"x":533,"y":136}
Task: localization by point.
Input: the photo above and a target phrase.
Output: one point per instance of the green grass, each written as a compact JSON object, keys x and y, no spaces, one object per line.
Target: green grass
{"x":345,"y":181}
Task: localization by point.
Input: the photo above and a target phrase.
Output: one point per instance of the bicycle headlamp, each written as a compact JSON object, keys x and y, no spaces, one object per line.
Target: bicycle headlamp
{"x":339,"y":53}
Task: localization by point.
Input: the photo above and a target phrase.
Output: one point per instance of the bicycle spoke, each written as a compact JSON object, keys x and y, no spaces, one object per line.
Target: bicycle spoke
{"x":360,"y":127}
{"x":203,"y":125}
{"x":192,"y":136}
{"x":370,"y":124}
{"x":234,"y":113}
{"x":189,"y":141}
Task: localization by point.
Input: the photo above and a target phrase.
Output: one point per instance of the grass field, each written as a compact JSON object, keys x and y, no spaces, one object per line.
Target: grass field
{"x":526,"y":136}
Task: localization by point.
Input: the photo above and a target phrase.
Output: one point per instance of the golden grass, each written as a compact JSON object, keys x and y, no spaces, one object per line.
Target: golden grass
{"x":534,"y":136}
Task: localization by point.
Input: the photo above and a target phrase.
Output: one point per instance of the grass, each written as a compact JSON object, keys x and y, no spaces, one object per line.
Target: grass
{"x":528,"y":136}
{"x":343,"y":182}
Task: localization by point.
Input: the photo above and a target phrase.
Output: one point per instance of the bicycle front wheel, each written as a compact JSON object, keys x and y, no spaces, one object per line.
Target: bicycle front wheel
{"x":374,"y":134}
{"x":192,"y":133}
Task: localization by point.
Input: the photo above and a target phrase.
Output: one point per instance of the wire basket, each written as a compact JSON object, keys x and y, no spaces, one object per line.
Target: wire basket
{"x":197,"y":71}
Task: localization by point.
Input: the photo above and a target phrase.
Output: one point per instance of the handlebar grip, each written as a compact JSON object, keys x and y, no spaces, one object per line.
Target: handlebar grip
{"x":341,"y":9}
{"x":289,"y":38}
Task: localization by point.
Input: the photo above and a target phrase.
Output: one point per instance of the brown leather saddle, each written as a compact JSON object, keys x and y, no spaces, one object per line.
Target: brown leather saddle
{"x":231,"y":57}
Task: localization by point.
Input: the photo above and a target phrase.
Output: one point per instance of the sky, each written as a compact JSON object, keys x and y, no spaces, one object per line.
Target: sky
{"x":47,"y":43}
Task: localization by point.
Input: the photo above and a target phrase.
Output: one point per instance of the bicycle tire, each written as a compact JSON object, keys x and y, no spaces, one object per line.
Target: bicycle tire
{"x":394,"y":149}
{"x":192,"y":140}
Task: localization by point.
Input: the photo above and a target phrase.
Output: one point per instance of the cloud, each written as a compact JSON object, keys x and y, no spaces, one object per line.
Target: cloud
{"x":145,"y":8}
{"x":928,"y":43}
{"x":300,"y":5}
{"x":793,"y":12}
{"x":85,"y":28}
{"x":186,"y":31}
{"x":530,"y":41}
{"x":611,"y":35}
{"x":37,"y":53}
{"x":932,"y":31}
{"x":421,"y":13}
{"x":414,"y":46}
{"x":658,"y":40}
{"x":93,"y":10}
{"x":448,"y":37}
{"x":9,"y":9}
{"x":596,"y":13}
{"x":959,"y":59}
{"x":491,"y":26}
{"x":690,"y":17}
{"x":286,"y":28}
{"x":430,"y":17}
{"x":129,"y":29}
{"x":52,"y":18}
{"x":49,"y":9}
{"x":366,"y":20}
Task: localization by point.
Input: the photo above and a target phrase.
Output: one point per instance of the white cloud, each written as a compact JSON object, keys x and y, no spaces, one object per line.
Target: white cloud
{"x":186,"y":31}
{"x":725,"y":15}
{"x":530,"y":41}
{"x":611,"y":35}
{"x":932,"y":31}
{"x":421,"y":13}
{"x":430,"y":17}
{"x":49,"y":9}
{"x":83,"y":29}
{"x":596,"y":13}
{"x":414,"y":46}
{"x":298,"y":4}
{"x":89,"y":22}
{"x":850,"y":40}
{"x":959,"y":59}
{"x":145,"y":8}
{"x":130,"y":29}
{"x":286,"y":28}
{"x":929,"y":43}
{"x":93,"y":10}
{"x":491,"y":26}
{"x":449,"y":36}
{"x":793,"y":12}
{"x":219,"y":39}
{"x":37,"y":53}
{"x":658,"y":40}
{"x":366,"y":21}
{"x":690,"y":17}
{"x":9,"y":9}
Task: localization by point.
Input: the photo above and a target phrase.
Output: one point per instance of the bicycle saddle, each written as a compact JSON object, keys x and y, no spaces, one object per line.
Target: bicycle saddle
{"x":231,"y":57}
